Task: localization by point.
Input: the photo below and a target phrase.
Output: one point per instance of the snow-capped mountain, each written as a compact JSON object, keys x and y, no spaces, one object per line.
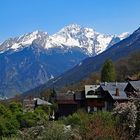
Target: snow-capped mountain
{"x":34,"y":58}
{"x":91,"y":42}
{"x":23,"y":41}
{"x":88,"y":40}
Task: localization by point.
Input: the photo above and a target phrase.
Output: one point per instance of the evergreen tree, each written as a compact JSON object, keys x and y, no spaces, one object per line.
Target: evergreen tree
{"x":52,"y":97}
{"x":108,"y":73}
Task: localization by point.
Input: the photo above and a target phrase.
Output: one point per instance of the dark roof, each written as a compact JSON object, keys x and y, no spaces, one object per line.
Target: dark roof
{"x":135,"y":84}
{"x":79,"y":95}
{"x":122,"y":95}
{"x":64,"y":96}
{"x":111,"y":88}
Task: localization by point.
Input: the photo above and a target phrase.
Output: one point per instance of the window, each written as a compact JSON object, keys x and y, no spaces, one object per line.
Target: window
{"x":91,"y":92}
{"x":99,"y":108}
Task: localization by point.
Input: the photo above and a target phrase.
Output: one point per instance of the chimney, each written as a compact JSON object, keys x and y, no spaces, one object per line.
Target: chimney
{"x":105,"y":83}
{"x":117,"y":92}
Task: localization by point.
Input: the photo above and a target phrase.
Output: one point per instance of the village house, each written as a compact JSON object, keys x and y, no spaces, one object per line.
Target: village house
{"x":29,"y":104}
{"x":113,"y":93}
{"x":70,"y":102}
{"x":66,"y":103}
{"x":94,"y":99}
{"x":133,"y":89}
{"x":79,"y":97}
{"x":102,"y":97}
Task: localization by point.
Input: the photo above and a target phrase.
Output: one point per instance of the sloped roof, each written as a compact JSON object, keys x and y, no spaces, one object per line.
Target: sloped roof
{"x":122,"y":95}
{"x":135,"y":84}
{"x":111,"y":88}
{"x":42,"y":102}
{"x":65,"y":96}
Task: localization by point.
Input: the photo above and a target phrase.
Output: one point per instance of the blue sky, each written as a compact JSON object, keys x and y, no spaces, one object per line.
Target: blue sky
{"x":106,"y":16}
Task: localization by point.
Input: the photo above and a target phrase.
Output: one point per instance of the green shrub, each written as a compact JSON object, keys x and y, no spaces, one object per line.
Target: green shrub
{"x":77,"y":119}
{"x":27,"y":120}
{"x":55,"y":131}
{"x":8,"y":126}
{"x":15,"y":107}
{"x":107,"y":118}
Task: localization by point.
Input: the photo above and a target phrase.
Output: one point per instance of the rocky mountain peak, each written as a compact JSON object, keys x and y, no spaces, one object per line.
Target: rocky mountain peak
{"x":87,"y":39}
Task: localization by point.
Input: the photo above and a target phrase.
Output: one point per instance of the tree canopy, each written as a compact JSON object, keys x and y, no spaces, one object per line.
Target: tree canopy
{"x":108,"y":73}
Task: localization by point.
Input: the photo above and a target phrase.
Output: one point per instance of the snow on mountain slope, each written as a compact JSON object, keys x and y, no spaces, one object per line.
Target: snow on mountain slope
{"x":123,"y":35}
{"x":24,"y":40}
{"x":88,"y":40}
{"x":73,"y":35}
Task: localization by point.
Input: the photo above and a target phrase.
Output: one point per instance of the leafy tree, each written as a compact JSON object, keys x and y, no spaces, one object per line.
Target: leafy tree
{"x":108,"y":73}
{"x":28,"y":119}
{"x":42,"y":114}
{"x":127,"y":114}
{"x":15,"y":107}
{"x":8,"y":126}
{"x":8,"y":122}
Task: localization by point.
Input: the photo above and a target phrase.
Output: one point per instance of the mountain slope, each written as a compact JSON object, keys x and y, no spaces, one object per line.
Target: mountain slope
{"x":92,"y":64}
{"x":32,"y":67}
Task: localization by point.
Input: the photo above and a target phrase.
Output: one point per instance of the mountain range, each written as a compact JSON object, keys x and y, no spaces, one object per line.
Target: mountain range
{"x":88,"y":40}
{"x":34,"y":58}
{"x":94,"y":64}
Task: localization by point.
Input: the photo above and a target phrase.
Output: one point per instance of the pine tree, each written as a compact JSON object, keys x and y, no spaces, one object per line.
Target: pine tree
{"x":108,"y":73}
{"x":52,"y":97}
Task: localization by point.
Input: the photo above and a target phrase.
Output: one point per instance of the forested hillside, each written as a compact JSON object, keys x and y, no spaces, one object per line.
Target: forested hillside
{"x":128,"y":67}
